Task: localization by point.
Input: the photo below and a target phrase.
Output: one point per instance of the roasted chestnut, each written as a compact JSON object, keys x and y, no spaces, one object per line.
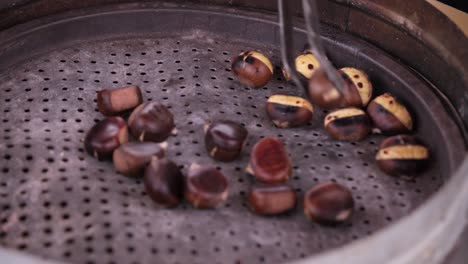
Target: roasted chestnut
{"x":225,"y":139}
{"x":164,"y":182}
{"x":361,"y":83}
{"x":328,"y":204}
{"x":289,"y":111}
{"x":402,"y":155}
{"x":105,"y":136}
{"x":323,"y":93}
{"x":389,"y":116}
{"x":306,"y":64}
{"x":269,"y":161}
{"x":151,"y":122}
{"x":348,"y":124}
{"x":271,"y":199}
{"x":205,"y":186}
{"x":114,"y":101}
{"x":252,"y":68}
{"x":131,"y":158}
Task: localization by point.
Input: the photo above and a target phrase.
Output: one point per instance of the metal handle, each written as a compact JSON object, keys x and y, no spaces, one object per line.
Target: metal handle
{"x":313,"y":37}
{"x":286,"y":41}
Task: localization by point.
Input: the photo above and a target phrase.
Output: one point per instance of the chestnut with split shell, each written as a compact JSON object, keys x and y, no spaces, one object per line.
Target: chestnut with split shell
{"x":402,"y":155}
{"x":323,"y":93}
{"x":151,"y":122}
{"x":361,"y":82}
{"x":205,"y":186}
{"x":225,"y":139}
{"x":269,"y":161}
{"x":306,"y":64}
{"x":114,"y":101}
{"x":347,"y":124}
{"x":164,"y":182}
{"x":131,"y":158}
{"x":252,"y":68}
{"x":389,"y":115}
{"x":328,"y":204}
{"x":289,"y":111}
{"x":106,"y":136}
{"x":271,"y":199}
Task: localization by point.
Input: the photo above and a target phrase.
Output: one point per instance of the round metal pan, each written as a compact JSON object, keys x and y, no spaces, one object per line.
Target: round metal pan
{"x":60,"y":203}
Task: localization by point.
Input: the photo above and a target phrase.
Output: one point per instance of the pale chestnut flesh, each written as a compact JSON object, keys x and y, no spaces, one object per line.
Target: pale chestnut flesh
{"x":288,"y":111}
{"x":348,"y":124}
{"x":402,"y":155}
{"x":389,"y":115}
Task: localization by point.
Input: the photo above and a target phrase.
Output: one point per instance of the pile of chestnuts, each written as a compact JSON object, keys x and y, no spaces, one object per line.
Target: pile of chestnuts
{"x":270,"y":165}
{"x":151,"y":124}
{"x":353,"y":116}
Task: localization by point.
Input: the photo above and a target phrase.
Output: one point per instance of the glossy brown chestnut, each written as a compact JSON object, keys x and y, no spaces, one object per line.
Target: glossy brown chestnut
{"x":328,"y":204}
{"x":164,"y":182}
{"x":289,"y":111}
{"x":131,"y":158}
{"x":114,"y":101}
{"x":402,"y":155}
{"x":269,"y":161}
{"x":323,"y":93}
{"x":105,"y":136}
{"x":347,"y":124}
{"x":225,"y":139}
{"x":389,"y":116}
{"x":151,"y":122}
{"x":271,"y":199}
{"x":252,"y":68}
{"x":205,"y":186}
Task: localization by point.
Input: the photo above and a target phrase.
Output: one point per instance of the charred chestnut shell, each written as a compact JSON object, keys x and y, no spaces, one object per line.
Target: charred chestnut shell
{"x":252,"y":68}
{"x":151,"y":122}
{"x":347,"y":124}
{"x":106,"y":136}
{"x":402,"y":155}
{"x":225,"y":139}
{"x":389,"y":115}
{"x":269,"y":161}
{"x":328,"y":204}
{"x":289,"y":111}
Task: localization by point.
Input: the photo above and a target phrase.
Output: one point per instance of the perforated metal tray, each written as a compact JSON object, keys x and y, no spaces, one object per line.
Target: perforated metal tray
{"x":60,"y":203}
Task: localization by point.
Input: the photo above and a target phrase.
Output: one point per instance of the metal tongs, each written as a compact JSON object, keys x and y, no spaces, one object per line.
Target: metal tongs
{"x":312,"y":24}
